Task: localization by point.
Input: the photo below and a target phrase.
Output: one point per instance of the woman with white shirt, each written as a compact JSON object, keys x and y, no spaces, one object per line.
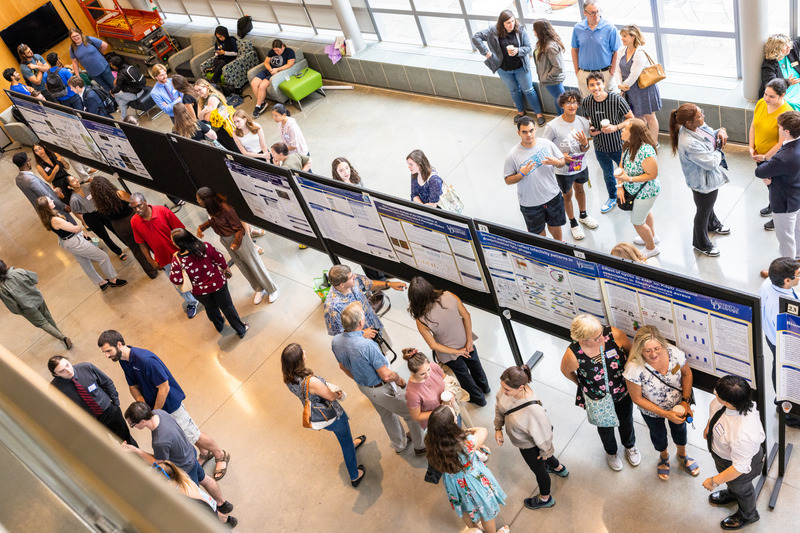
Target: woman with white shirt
{"x":644,"y":102}
{"x":249,"y":136}
{"x":734,"y":434}
{"x":289,"y":130}
{"x":659,"y":379}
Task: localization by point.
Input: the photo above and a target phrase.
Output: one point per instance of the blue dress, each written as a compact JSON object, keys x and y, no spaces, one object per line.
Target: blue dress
{"x":429,"y":192}
{"x":474,"y":490}
{"x":642,"y":101}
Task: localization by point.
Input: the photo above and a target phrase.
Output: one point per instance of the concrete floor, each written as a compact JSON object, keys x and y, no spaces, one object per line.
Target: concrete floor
{"x":286,"y":478}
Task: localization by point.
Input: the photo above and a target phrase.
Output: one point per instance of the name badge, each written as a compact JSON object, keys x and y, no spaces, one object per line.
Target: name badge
{"x":719,"y":430}
{"x":92,"y":387}
{"x":794,"y":63}
{"x":611,"y":354}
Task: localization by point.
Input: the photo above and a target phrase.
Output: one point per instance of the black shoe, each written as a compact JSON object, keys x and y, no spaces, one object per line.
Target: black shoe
{"x":231,"y":522}
{"x":356,"y":482}
{"x":152,"y":275}
{"x":770,"y":226}
{"x":225,"y":508}
{"x":518,"y":117}
{"x":257,"y":110}
{"x":767,"y":211}
{"x":67,"y":342}
{"x":737,"y":521}
{"x":721,"y":497}
{"x":119,"y":283}
{"x":541,"y":121}
{"x":104,"y":286}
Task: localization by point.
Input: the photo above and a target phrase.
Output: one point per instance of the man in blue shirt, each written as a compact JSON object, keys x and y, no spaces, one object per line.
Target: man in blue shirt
{"x":13,"y":77}
{"x":33,"y":66}
{"x":66,"y":96}
{"x":151,"y":382}
{"x":363,"y":362}
{"x":784,"y":275}
{"x":595,"y":43}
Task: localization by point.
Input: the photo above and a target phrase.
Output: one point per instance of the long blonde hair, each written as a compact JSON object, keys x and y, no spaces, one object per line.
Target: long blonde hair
{"x":644,"y":335}
{"x":201,"y":101}
{"x":626,"y":250}
{"x":249,"y":124}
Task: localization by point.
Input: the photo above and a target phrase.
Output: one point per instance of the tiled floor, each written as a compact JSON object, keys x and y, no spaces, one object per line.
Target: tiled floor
{"x":285,"y":478}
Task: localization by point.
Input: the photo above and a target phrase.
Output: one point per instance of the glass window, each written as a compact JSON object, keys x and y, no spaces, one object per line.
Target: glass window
{"x":438,"y":6}
{"x":489,"y":7}
{"x":708,"y":56}
{"x":398,"y":28}
{"x":177,"y":18}
{"x":446,"y":32}
{"x":390,"y":4}
{"x":551,"y":9}
{"x":623,"y":12}
{"x":714,"y":15}
{"x":778,"y":17}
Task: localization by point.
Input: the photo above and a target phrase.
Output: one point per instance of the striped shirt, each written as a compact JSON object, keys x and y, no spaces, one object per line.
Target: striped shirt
{"x":614,"y":108}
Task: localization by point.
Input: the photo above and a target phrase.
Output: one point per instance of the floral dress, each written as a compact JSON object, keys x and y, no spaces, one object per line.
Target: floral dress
{"x":590,"y":371}
{"x":654,"y":383}
{"x":650,"y":189}
{"x":474,"y":490}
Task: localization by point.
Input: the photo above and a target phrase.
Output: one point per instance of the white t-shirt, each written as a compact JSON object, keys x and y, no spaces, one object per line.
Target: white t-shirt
{"x":737,"y":437}
{"x":562,"y":133}
{"x":539,"y":186}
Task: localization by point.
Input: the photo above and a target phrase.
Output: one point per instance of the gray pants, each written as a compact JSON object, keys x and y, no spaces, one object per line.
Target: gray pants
{"x":741,"y":488}
{"x":85,"y":252}
{"x":787,"y":229}
{"x":391,"y":407}
{"x":250,"y":265}
{"x":41,"y":318}
{"x":123,"y":99}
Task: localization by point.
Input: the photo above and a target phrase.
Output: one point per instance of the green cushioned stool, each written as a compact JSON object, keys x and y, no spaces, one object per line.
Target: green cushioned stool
{"x":300,"y":85}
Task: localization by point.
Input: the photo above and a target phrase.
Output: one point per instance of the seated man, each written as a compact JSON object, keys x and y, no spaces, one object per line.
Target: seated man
{"x":56,"y":79}
{"x":90,"y":100}
{"x":15,"y":79}
{"x":278,"y":59}
{"x":129,"y":84}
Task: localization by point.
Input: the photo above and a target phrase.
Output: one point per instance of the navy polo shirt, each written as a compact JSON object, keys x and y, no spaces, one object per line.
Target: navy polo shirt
{"x":144,"y":369}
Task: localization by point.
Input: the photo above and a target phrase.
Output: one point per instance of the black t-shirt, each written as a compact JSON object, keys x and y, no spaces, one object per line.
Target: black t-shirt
{"x":510,"y":63}
{"x":277,"y":60}
{"x":190,"y":101}
{"x":200,"y":134}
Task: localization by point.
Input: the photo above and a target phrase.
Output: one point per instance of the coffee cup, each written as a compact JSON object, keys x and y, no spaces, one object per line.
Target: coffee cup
{"x":679,"y":410}
{"x":605,"y":122}
{"x":618,"y":172}
{"x":447,"y":397}
{"x":510,"y":47}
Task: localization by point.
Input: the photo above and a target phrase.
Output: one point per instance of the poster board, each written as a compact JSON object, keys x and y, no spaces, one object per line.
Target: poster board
{"x":787,"y":353}
{"x":114,"y":145}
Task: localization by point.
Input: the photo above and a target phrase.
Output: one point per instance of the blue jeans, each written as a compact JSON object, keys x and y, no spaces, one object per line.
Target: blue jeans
{"x":187,"y":296}
{"x":658,"y":432}
{"x":469,"y":373}
{"x":519,"y":82}
{"x":341,"y":428}
{"x":555,"y":91}
{"x":607,"y":160}
{"x":105,"y":78}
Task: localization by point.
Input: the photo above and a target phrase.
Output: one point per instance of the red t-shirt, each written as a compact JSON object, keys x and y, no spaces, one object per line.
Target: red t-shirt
{"x":156,"y":233}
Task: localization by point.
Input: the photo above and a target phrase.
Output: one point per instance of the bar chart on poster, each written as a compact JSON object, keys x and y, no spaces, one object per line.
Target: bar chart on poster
{"x":116,"y":148}
{"x":270,"y":196}
{"x":432,"y":244}
{"x":347,"y":217}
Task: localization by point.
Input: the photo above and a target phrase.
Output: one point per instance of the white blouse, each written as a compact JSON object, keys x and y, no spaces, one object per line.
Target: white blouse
{"x":737,"y":437}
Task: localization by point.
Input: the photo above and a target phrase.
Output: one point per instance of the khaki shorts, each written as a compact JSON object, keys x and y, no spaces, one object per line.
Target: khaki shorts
{"x":186,"y":423}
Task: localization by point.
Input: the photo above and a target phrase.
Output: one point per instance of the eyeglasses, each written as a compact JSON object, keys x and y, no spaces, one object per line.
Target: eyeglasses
{"x":132,"y":424}
{"x":591,"y":13}
{"x":157,"y":468}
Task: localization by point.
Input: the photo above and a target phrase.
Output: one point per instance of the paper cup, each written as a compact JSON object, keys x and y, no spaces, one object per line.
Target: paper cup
{"x":447,"y":397}
{"x":618,"y":172}
{"x":510,"y":47}
{"x":679,"y":410}
{"x":605,"y":122}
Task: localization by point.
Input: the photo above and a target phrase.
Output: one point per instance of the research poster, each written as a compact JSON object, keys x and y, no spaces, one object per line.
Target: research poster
{"x":715,"y":334}
{"x":788,"y":358}
{"x":37,"y":119}
{"x":74,"y":135}
{"x":432,"y":244}
{"x":346,"y":217}
{"x":540,"y":283}
{"x":116,"y":148}
{"x":270,"y":197}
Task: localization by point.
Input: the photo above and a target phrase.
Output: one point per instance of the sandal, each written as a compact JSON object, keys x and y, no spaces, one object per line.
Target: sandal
{"x":503,"y":529}
{"x":663,"y":468}
{"x":362,"y":439}
{"x":689,"y":464}
{"x":123,"y":256}
{"x":203,"y":458}
{"x":219,"y":473}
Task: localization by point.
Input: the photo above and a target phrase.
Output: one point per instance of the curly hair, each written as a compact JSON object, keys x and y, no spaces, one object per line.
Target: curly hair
{"x":355,"y":179}
{"x":105,"y":196}
{"x":445,"y":441}
{"x":773,"y":49}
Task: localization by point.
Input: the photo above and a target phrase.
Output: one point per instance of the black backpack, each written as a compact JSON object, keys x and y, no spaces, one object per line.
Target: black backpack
{"x":136,"y":77}
{"x":107,"y":102}
{"x":244,"y":26}
{"x":55,"y":85}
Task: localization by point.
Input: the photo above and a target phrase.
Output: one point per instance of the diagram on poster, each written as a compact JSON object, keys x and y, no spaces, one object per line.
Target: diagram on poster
{"x":540,"y":283}
{"x":270,"y":197}
{"x":36,"y":117}
{"x":73,"y":134}
{"x":433,"y":244}
{"x":349,"y":218}
{"x":714,"y":334}
{"x":116,"y":148}
{"x":788,"y":358}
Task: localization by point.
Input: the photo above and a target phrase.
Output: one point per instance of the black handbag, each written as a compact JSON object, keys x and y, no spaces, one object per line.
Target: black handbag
{"x":244,"y":26}
{"x":627,"y":203}
{"x":432,"y":475}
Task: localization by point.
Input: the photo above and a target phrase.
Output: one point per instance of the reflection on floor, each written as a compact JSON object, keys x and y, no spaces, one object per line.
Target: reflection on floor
{"x":285,"y":478}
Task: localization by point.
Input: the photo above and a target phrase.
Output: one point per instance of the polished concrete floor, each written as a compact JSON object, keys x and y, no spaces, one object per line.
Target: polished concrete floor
{"x":286,"y":478}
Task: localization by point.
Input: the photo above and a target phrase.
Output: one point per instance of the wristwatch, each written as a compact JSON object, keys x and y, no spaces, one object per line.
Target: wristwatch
{"x":687,"y":400}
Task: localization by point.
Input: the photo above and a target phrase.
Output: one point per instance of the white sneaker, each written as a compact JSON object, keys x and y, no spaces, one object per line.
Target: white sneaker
{"x":647,"y":254}
{"x":589,"y":221}
{"x":577,"y":233}
{"x":638,"y":240}
{"x":258,"y":297}
{"x":614,"y":462}
{"x":634,"y":457}
{"x":274,"y":296}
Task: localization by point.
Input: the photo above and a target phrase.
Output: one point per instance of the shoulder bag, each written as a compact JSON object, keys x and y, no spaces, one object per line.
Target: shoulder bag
{"x":652,"y":74}
{"x":601,"y":412}
{"x":627,"y":203}
{"x":449,"y":199}
{"x":316,"y":415}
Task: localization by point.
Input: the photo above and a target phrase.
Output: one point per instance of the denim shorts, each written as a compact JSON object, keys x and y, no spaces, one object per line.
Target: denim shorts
{"x":565,"y":181}
{"x":550,"y":213}
{"x":265,"y":75}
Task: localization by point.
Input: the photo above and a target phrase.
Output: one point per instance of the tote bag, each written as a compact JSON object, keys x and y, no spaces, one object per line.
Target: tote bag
{"x":601,"y":412}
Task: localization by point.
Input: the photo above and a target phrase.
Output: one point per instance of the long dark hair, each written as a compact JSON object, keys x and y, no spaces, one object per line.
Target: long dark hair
{"x":425,"y":169}
{"x":677,"y":118}
{"x":105,"y":196}
{"x":516,"y":376}
{"x":501,"y":20}
{"x":49,"y":153}
{"x":182,"y":85}
{"x":545,"y":34}
{"x":213,"y":202}
{"x":422,"y":297}
{"x":221,"y":30}
{"x":292,"y":365}
{"x":445,"y":441}
{"x":3,"y":270}
{"x":186,"y":242}
{"x":355,"y":179}
{"x":639,"y":135}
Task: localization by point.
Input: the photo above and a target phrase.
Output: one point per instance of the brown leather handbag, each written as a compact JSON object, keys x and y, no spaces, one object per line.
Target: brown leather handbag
{"x":652,"y":74}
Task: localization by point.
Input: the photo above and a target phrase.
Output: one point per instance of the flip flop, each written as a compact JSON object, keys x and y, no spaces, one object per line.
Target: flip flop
{"x":204,"y":457}
{"x":219,"y":473}
{"x":663,"y":468}
{"x":123,"y":256}
{"x":689,"y":464}
{"x":363,"y":439}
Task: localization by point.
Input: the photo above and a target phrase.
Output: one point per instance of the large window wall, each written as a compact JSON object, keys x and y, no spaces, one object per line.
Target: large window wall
{"x":690,"y":37}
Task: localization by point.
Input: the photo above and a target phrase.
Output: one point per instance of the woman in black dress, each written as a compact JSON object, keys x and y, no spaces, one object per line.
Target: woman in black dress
{"x":53,"y":169}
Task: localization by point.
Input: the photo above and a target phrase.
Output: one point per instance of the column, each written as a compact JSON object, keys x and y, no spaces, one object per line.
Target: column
{"x":349,"y":24}
{"x":752,"y":35}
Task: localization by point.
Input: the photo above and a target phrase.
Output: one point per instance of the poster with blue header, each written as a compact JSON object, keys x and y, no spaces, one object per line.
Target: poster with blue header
{"x":36,"y":117}
{"x":788,"y":356}
{"x":116,"y":148}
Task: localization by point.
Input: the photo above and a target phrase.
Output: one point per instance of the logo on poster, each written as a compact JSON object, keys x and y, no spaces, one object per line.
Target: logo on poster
{"x":724,"y":306}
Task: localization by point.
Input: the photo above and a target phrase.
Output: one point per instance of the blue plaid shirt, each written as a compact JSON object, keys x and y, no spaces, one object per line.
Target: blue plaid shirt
{"x":336,"y":301}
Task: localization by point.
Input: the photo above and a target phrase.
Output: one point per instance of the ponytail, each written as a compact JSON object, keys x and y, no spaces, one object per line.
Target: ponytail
{"x":414,"y":358}
{"x":516,"y":376}
{"x":677,"y":118}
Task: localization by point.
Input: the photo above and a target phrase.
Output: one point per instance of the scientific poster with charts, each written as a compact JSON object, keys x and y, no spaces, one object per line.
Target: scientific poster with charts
{"x":788,"y":358}
{"x":37,"y":120}
{"x":113,"y":142}
{"x":540,"y":283}
{"x":432,"y":244}
{"x":73,"y":135}
{"x":715,"y":334}
{"x":349,"y":218}
{"x":270,"y":197}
